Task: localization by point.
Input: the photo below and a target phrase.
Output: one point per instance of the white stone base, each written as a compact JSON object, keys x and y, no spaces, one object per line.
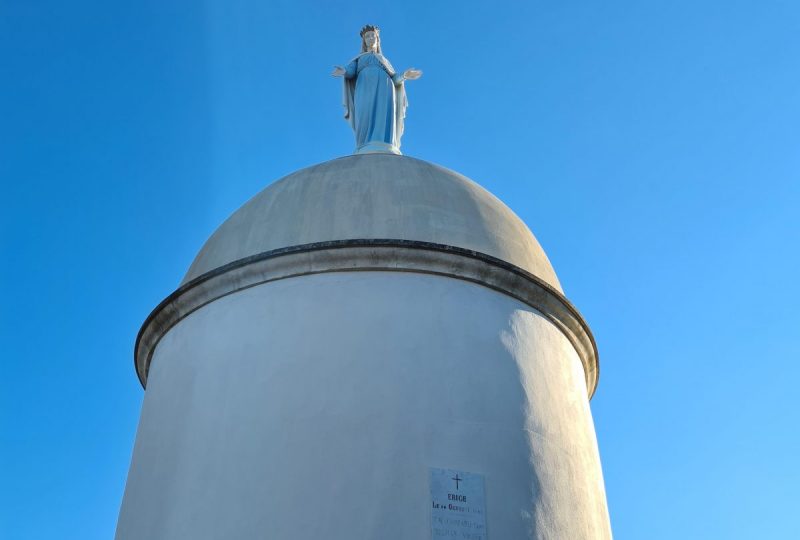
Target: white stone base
{"x":378,"y":148}
{"x":313,"y":407}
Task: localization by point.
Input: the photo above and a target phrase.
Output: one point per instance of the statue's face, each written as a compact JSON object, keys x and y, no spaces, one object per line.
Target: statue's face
{"x":371,"y":39}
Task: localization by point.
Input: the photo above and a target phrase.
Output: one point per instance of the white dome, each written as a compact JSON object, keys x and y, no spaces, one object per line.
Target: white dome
{"x":375,"y":196}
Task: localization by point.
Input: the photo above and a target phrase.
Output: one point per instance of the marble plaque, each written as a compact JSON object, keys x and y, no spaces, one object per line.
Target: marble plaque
{"x":458,"y":505}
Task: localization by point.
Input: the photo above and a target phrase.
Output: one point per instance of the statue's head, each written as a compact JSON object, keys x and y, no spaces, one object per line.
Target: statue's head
{"x":370,"y":39}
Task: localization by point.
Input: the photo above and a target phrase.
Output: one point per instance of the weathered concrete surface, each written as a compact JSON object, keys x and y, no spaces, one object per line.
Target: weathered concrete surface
{"x":311,"y":407}
{"x":375,"y":196}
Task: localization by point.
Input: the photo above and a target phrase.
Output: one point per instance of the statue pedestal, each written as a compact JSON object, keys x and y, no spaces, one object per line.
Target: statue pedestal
{"x":375,"y":147}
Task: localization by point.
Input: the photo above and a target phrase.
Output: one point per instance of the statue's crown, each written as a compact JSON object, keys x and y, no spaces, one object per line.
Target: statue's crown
{"x":369,"y":28}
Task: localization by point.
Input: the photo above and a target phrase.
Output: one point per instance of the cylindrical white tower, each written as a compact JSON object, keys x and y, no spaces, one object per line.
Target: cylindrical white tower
{"x":373,"y":347}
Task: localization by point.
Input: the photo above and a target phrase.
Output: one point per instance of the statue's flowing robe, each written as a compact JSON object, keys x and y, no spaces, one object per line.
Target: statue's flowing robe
{"x":375,"y":103}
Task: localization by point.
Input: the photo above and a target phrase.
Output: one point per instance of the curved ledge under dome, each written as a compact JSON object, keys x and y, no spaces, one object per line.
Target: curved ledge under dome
{"x":369,"y":255}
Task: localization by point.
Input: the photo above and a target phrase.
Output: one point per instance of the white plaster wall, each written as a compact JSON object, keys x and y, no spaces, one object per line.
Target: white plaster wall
{"x":312,"y":407}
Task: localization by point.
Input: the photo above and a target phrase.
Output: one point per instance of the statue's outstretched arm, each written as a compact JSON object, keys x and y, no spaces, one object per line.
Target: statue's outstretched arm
{"x":347,"y":72}
{"x":412,"y":74}
{"x":407,"y":75}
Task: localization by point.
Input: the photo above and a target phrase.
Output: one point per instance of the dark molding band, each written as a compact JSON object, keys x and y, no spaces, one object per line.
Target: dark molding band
{"x":369,"y":255}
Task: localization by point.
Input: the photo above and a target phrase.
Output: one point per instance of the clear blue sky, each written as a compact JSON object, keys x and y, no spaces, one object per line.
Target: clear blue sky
{"x":652,"y":147}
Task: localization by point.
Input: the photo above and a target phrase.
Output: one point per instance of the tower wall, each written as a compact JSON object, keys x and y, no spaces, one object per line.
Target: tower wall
{"x":312,"y":407}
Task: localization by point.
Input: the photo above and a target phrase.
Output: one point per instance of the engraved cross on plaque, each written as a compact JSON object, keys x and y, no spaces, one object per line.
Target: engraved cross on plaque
{"x":457,"y":479}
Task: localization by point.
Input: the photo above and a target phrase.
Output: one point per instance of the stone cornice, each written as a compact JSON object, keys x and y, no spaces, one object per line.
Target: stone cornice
{"x":369,"y":255}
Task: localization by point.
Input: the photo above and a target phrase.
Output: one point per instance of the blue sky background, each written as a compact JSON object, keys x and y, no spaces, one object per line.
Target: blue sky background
{"x":652,"y":147}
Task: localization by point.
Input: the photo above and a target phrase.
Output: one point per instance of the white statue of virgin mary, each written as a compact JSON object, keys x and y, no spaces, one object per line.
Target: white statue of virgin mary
{"x":374,"y":96}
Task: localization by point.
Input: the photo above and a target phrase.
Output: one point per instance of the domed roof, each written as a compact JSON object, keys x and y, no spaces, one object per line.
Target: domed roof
{"x":375,"y":196}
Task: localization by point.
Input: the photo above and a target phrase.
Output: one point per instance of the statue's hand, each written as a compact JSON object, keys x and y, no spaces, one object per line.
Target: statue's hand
{"x":338,"y":71}
{"x":412,"y":74}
